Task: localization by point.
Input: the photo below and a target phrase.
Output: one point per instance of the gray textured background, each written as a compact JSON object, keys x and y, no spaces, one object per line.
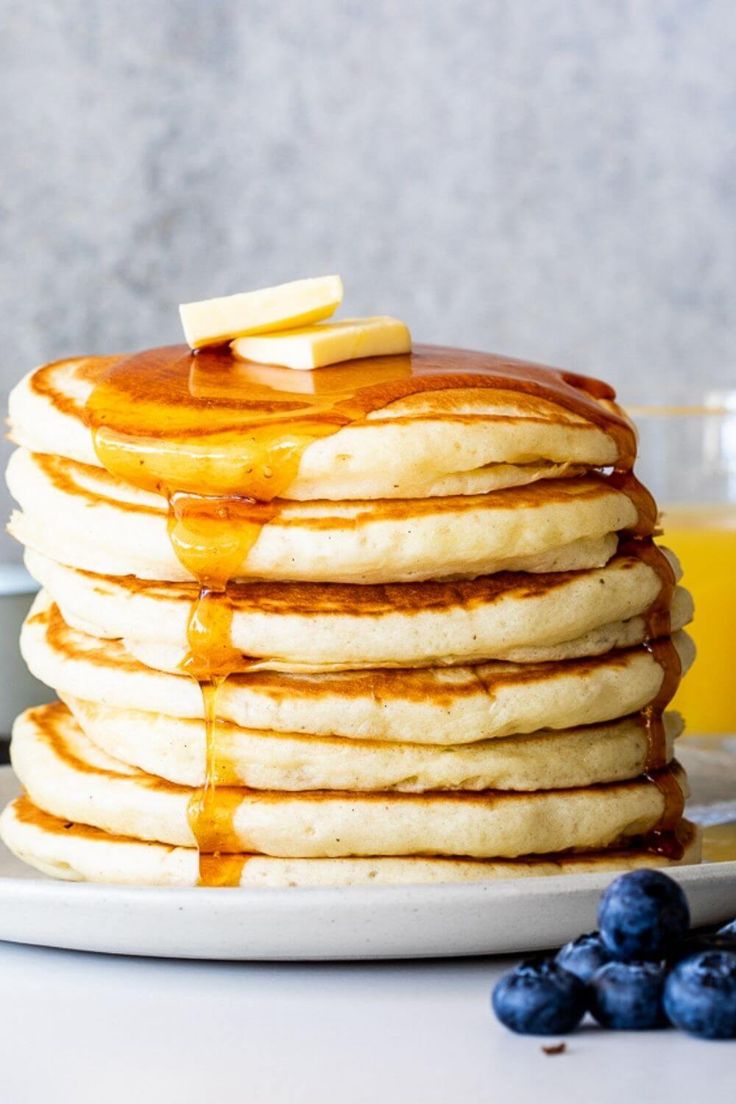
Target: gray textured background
{"x":549,"y":178}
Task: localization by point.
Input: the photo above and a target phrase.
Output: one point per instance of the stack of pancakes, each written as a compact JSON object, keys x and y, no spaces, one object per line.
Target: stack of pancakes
{"x":449,"y":641}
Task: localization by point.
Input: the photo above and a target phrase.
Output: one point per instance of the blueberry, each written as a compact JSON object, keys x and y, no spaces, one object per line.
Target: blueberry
{"x":627,"y":996}
{"x":583,"y":956}
{"x":642,"y":915}
{"x":700,"y":995}
{"x":539,"y":998}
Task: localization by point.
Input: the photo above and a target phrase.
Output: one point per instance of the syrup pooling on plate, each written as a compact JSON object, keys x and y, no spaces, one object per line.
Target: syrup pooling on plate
{"x":220,"y":438}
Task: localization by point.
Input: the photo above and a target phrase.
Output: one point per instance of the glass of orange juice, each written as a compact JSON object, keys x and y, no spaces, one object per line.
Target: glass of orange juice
{"x":687,"y":458}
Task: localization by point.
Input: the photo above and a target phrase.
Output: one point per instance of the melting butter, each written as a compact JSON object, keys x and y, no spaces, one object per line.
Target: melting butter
{"x":298,"y":303}
{"x":327,"y":343}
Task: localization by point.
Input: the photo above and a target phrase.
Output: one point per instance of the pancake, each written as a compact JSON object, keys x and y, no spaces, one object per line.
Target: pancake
{"x":68,"y":776}
{"x":174,"y":748}
{"x":429,"y":579}
{"x":446,"y":441}
{"x":86,"y":518}
{"x":75,"y":852}
{"x":446,"y":705}
{"x":516,"y":617}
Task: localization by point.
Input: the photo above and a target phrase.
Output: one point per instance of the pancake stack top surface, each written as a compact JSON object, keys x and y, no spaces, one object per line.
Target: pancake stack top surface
{"x":400,"y":618}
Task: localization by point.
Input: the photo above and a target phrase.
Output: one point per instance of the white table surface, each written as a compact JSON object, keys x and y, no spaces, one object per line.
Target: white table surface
{"x":84,"y":1028}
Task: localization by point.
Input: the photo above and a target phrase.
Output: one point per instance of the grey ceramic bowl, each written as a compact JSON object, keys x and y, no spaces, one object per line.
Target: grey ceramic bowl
{"x":18,"y":687}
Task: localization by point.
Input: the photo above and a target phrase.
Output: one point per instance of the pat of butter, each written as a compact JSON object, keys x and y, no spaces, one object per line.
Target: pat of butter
{"x":327,"y":343}
{"x":299,"y":303}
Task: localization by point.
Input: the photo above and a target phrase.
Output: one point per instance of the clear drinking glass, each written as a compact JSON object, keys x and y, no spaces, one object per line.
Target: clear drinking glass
{"x":688,"y":461}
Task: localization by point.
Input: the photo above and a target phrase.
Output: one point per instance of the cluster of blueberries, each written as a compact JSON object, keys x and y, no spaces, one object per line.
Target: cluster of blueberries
{"x":640,"y":970}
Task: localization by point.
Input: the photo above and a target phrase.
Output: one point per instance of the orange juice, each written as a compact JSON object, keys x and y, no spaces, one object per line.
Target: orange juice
{"x":704,"y":539}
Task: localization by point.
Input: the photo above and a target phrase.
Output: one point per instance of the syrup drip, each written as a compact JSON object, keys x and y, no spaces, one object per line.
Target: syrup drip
{"x":674,"y":799}
{"x":212,"y":548}
{"x":663,"y":840}
{"x":666,"y":655}
{"x":231,"y":525}
{"x":222,"y":439}
{"x":625,"y":481}
{"x":203,"y":805}
{"x":667,"y":842}
{"x":212,"y":807}
{"x":657,"y":617}
{"x":210,"y":659}
{"x":221,"y":871}
{"x":212,"y":537}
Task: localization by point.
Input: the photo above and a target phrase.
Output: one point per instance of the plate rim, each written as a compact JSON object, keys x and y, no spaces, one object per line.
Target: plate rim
{"x":36,"y":909}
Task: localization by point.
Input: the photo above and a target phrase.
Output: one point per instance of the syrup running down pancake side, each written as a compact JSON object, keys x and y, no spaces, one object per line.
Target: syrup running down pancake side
{"x":219,"y":438}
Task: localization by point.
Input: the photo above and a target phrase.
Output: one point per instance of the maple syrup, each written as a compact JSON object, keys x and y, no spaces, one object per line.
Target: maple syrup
{"x":665,"y":653}
{"x":659,"y":643}
{"x":222,"y":440}
{"x":172,"y":420}
{"x":666,"y":839}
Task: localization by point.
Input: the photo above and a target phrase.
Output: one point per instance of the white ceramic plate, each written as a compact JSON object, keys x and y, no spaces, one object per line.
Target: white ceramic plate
{"x":500,"y":917}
